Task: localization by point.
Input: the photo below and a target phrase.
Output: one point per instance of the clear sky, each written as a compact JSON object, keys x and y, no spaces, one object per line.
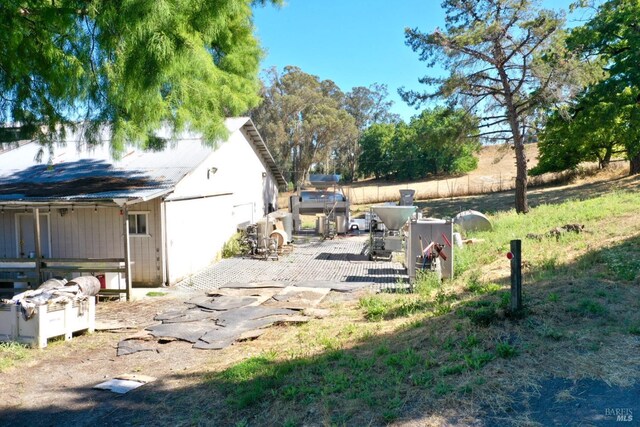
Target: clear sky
{"x":352,"y":42}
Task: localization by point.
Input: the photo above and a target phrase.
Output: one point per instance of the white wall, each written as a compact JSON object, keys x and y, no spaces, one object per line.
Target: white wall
{"x":196,"y":231}
{"x":206,"y":208}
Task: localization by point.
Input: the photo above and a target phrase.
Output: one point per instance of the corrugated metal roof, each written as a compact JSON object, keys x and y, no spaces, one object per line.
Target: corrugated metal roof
{"x":78,"y":173}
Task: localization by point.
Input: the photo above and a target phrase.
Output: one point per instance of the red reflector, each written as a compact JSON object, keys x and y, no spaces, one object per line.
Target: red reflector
{"x":510,"y":255}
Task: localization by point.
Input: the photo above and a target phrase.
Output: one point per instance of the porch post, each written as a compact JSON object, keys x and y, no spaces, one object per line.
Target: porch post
{"x":38,"y":249}
{"x":127,"y":259}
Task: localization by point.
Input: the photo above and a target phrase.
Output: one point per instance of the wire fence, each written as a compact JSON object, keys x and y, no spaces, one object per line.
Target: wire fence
{"x":469,"y":185}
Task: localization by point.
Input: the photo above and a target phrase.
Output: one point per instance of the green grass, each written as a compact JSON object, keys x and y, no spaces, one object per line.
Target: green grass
{"x":448,"y":339}
{"x":156,"y":294}
{"x":12,"y":354}
{"x":444,"y":347}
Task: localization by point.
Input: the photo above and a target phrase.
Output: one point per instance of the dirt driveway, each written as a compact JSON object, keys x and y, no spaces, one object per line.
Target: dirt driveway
{"x":55,"y":385}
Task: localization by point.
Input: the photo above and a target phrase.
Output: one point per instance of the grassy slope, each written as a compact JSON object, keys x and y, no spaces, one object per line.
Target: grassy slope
{"x":453,"y":353}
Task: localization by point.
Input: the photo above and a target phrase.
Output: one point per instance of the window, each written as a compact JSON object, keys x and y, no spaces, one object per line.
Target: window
{"x":138,"y":224}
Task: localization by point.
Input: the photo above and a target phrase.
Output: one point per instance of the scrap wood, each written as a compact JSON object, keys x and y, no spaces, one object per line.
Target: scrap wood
{"x":127,"y":347}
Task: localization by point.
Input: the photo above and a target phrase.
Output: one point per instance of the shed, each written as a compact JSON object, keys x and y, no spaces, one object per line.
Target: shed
{"x":152,"y":217}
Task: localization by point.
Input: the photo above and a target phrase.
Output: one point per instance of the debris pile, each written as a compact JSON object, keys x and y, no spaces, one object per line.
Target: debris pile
{"x":55,"y":291}
{"x":236,"y":312}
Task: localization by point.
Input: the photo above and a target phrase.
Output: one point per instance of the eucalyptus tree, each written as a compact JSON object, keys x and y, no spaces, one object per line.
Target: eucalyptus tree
{"x":489,"y":48}
{"x":132,"y":64}
{"x":303,"y":120}
{"x":368,"y":106}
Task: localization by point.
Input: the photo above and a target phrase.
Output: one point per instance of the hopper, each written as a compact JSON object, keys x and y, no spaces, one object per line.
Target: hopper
{"x":394,"y":217}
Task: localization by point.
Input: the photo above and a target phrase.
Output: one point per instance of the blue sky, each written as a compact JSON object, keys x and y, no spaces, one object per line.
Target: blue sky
{"x":352,"y":42}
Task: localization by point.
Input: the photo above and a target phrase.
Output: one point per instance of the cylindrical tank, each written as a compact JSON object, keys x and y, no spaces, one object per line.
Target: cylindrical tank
{"x":321,"y":224}
{"x":280,"y":236}
{"x":341,"y":224}
{"x":287,"y":222}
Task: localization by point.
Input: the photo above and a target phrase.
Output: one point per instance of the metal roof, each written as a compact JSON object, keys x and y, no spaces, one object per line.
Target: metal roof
{"x":78,"y":173}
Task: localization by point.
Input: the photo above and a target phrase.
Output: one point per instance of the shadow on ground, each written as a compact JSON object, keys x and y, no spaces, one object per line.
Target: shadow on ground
{"x":420,"y":372}
{"x":505,"y":200}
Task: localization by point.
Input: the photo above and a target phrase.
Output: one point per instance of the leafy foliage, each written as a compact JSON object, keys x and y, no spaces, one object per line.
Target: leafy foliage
{"x":133,"y":64}
{"x":440,"y":140}
{"x":605,"y":118}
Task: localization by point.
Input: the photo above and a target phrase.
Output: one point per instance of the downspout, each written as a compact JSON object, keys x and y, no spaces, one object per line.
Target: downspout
{"x":165,"y":248}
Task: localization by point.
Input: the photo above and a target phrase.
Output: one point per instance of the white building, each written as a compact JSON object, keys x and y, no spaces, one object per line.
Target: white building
{"x":166,"y":214}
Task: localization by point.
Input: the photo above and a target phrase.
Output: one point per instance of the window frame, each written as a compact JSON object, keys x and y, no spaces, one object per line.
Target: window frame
{"x":146,"y":223}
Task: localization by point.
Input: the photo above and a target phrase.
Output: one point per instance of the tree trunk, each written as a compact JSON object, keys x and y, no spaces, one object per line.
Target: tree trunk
{"x":634,"y":168}
{"x":522,"y":204}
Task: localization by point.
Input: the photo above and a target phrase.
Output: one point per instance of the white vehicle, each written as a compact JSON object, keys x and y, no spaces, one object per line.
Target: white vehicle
{"x":362,"y":222}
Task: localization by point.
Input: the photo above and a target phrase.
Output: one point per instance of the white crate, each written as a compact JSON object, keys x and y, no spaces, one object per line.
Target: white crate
{"x":48,"y":321}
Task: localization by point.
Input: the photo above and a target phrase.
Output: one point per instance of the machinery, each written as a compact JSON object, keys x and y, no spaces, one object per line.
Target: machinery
{"x":429,"y":247}
{"x":388,"y":239}
{"x":326,"y":200}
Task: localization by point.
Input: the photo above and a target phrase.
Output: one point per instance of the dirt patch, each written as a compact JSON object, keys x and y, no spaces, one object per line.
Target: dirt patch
{"x":55,"y":386}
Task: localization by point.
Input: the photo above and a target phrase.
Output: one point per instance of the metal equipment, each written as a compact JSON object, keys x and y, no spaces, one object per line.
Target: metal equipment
{"x":429,"y":247}
{"x":389,"y":239}
{"x":325,"y":198}
{"x":261,"y":241}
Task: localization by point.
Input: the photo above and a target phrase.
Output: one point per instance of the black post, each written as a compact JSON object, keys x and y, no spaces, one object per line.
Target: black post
{"x":516,"y":276}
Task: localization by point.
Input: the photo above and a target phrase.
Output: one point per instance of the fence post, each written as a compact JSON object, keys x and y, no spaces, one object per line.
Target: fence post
{"x":516,"y":275}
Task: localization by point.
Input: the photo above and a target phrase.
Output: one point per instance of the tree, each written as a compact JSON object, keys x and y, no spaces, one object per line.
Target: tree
{"x":375,"y":145}
{"x":439,"y":140}
{"x":302,"y":120}
{"x":133,"y":65}
{"x":612,"y":36}
{"x":488,"y":47}
{"x":368,"y":106}
{"x":448,"y":139}
{"x":590,"y":128}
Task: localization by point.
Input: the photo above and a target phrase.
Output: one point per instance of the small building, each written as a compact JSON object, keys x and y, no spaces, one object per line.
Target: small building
{"x":159,"y":215}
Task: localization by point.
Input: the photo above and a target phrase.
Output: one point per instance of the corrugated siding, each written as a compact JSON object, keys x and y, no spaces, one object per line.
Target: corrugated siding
{"x":196,"y":231}
{"x":146,"y":250}
{"x":8,"y":234}
{"x":86,"y":233}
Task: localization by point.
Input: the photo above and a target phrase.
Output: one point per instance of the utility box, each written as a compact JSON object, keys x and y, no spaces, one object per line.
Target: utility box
{"x":438,"y":231}
{"x":48,"y":321}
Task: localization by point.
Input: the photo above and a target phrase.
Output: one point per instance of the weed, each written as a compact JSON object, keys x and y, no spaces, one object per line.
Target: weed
{"x":426,"y":282}
{"x":553,"y":297}
{"x":375,"y":307}
{"x":156,"y":294}
{"x":442,"y":303}
{"x":506,"y":350}
{"x":234,"y":246}
{"x":422,"y":379}
{"x":634,"y":330}
{"x":587,"y":307}
{"x":10,"y":353}
{"x":553,"y":333}
{"x":453,"y":369}
{"x":477,"y":359}
{"x":471,"y":341}
{"x":382,"y":350}
{"x":442,"y":388}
